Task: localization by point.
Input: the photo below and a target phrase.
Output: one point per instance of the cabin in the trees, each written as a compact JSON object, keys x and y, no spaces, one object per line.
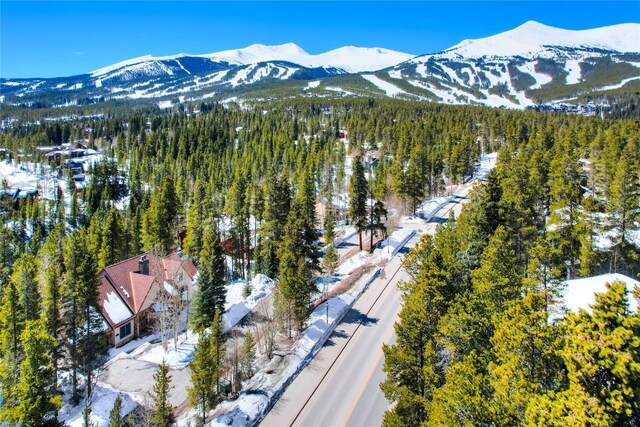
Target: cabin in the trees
{"x":130,"y":289}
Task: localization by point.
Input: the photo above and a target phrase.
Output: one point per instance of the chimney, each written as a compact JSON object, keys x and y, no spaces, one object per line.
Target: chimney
{"x":143,"y":265}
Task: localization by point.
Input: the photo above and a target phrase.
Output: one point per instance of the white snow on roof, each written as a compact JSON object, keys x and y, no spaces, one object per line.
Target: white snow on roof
{"x":581,"y":293}
{"x":115,"y":308}
{"x":124,"y":291}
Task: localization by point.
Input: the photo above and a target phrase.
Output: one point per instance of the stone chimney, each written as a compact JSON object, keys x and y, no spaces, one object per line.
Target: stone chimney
{"x":143,"y":265}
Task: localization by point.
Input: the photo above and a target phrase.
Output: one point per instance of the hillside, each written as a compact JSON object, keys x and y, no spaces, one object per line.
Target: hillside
{"x":531,"y":64}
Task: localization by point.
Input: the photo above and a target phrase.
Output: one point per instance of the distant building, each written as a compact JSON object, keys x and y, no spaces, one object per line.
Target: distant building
{"x":129,"y":289}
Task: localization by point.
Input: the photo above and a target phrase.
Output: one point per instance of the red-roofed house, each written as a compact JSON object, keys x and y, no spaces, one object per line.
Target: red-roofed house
{"x":129,"y":289}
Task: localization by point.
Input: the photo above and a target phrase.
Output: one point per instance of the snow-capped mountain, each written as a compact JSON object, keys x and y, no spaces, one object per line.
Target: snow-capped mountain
{"x":530,"y":64}
{"x":533,"y":39}
{"x":350,"y":59}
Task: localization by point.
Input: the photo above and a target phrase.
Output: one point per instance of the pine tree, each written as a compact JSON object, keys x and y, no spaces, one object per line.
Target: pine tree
{"x":25,"y":280}
{"x":464,"y":399}
{"x":294,"y":273}
{"x":7,"y":256}
{"x":601,"y":357}
{"x":237,"y":208}
{"x":51,"y":256}
{"x":36,"y":390}
{"x":566,"y":194}
{"x":113,"y":243}
{"x":623,"y":196}
{"x":162,"y":411}
{"x":587,"y":230}
{"x":247,"y":356}
{"x":115,"y":415}
{"x":306,"y":199}
{"x":409,"y":364}
{"x":211,"y":294}
{"x":376,"y":224}
{"x":192,"y":244}
{"x":12,"y":321}
{"x":410,"y":178}
{"x":358,"y":197}
{"x":330,"y":259}
{"x":81,"y":316}
{"x":159,"y":220}
{"x":277,"y":207}
{"x":74,"y":210}
{"x":206,"y":369}
{"x":498,"y":278}
{"x":526,"y":361}
{"x":330,"y":263}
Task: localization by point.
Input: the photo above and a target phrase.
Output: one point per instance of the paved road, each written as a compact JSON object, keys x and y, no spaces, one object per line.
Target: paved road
{"x":340,"y":386}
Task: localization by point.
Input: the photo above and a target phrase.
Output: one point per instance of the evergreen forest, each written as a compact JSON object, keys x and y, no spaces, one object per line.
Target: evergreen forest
{"x":481,"y":339}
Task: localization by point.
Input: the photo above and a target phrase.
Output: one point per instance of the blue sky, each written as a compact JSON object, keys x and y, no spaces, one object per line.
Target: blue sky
{"x":47,"y":39}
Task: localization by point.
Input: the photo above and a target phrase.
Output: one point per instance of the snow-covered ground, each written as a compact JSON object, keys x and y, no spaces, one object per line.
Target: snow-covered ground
{"x":398,"y":239}
{"x":574,"y":72}
{"x":237,"y":306}
{"x":430,"y":207}
{"x":487,"y":163}
{"x":581,"y":293}
{"x":312,"y":85}
{"x":352,"y":263}
{"x":28,"y":176}
{"x":101,"y":404}
{"x":388,"y":88}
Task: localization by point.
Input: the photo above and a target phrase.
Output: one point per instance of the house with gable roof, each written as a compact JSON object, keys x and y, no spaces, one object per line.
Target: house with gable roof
{"x":129,"y":289}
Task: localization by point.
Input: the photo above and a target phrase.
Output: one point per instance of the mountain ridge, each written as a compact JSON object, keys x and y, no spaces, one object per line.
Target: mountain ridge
{"x":287,"y":52}
{"x":529,"y":64}
{"x":532,"y":36}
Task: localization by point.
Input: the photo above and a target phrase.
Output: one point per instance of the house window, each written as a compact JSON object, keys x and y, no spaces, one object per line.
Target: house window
{"x":125,"y":330}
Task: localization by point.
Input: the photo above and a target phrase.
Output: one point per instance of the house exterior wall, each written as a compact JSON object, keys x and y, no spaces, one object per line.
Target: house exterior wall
{"x":117,"y":340}
{"x":185,"y":282}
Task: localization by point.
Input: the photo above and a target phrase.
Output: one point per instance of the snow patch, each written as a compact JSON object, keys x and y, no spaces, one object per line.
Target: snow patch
{"x":396,"y":241}
{"x":574,"y":73}
{"x":581,"y":293}
{"x":312,"y":85}
{"x":541,"y":79}
{"x":388,"y":88}
{"x":619,"y":85}
{"x":237,"y":306}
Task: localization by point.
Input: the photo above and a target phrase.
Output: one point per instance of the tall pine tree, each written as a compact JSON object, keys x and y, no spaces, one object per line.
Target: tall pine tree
{"x":358,"y":197}
{"x":161,"y":411}
{"x":211,"y":294}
